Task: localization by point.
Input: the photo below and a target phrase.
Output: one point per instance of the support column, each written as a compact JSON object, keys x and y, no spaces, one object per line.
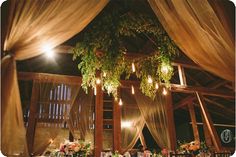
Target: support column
{"x":30,"y":133}
{"x":142,"y":139}
{"x":206,"y":133}
{"x":98,"y":143}
{"x":209,"y":123}
{"x":170,"y":121}
{"x":116,"y":126}
{"x":194,"y":122}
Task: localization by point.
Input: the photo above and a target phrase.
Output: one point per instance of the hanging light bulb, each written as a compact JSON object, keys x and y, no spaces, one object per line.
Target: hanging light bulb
{"x":104,"y":74}
{"x":132,"y":89}
{"x":149,"y":79}
{"x":98,"y":81}
{"x":156,"y":86}
{"x":120,"y":102}
{"x":133,"y":67}
{"x":164,"y":92}
{"x":95,"y":90}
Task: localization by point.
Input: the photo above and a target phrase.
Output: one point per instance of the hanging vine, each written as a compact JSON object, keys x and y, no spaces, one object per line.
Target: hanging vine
{"x":101,"y":48}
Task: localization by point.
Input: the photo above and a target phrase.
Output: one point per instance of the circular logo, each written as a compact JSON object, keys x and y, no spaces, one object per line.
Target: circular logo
{"x":226,"y":136}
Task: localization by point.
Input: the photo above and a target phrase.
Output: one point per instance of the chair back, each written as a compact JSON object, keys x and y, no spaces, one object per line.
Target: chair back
{"x":180,"y":155}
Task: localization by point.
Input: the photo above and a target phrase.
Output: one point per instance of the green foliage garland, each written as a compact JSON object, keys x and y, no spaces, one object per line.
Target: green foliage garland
{"x":102,"y":49}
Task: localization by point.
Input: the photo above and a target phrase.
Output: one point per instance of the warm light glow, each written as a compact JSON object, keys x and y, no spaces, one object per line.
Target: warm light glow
{"x":47,"y":49}
{"x":156,"y":86}
{"x":133,"y":67}
{"x":149,"y":79}
{"x":51,"y":140}
{"x":126,"y":124}
{"x":104,"y":74}
{"x":132,"y":89}
{"x":95,"y":91}
{"x":164,"y":69}
{"x":120,"y":102}
{"x":98,"y":81}
{"x":164,"y":92}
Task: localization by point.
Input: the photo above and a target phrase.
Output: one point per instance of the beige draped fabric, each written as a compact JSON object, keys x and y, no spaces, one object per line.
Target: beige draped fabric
{"x":32,"y":26}
{"x":132,"y":122}
{"x":155,"y":117}
{"x":54,"y":104}
{"x":197,"y":30}
{"x":81,"y":117}
{"x":12,"y":130}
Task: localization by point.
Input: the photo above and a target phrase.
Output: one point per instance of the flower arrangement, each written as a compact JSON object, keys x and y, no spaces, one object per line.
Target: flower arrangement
{"x":73,"y":149}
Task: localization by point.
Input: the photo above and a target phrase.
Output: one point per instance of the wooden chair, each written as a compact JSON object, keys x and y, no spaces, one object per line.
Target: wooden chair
{"x":180,"y":155}
{"x":222,"y":154}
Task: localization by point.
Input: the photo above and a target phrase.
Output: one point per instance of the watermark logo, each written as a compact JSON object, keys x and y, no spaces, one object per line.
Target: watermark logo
{"x":226,"y":136}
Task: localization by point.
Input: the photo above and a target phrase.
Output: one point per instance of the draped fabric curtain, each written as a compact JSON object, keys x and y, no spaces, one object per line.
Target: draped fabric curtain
{"x":200,"y":33}
{"x":54,"y":104}
{"x":132,"y":122}
{"x":81,"y":117}
{"x":154,"y":114}
{"x":33,"y":26}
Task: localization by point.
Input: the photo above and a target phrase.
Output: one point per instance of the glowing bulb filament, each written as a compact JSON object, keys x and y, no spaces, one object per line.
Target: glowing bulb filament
{"x":98,"y":81}
{"x":104,"y":74}
{"x":133,"y":67}
{"x":164,"y":92}
{"x":149,"y":79}
{"x":120,"y":102}
{"x":156,"y":86}
{"x":132,"y":89}
{"x":164,"y":69}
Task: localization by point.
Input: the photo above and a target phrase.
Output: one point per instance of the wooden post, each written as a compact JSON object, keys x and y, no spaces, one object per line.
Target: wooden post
{"x":209,"y":123}
{"x":71,"y":137}
{"x":30,"y":133}
{"x":170,"y":121}
{"x":116,"y":126}
{"x":98,"y":143}
{"x":182,"y":77}
{"x":206,"y":133}
{"x":194,"y":122}
{"x":142,"y":139}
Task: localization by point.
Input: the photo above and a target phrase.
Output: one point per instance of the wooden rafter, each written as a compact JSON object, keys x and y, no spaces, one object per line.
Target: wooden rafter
{"x":124,"y":83}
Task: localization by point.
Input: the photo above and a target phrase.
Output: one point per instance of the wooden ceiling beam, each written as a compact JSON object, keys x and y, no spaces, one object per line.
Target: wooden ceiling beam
{"x":45,"y":77}
{"x":124,"y":83}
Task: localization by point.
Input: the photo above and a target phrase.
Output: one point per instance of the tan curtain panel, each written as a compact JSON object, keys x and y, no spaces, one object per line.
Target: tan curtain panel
{"x":12,"y":130}
{"x":132,"y":121}
{"x":32,"y":25}
{"x":197,"y":30}
{"x":155,"y":117}
{"x":81,"y":117}
{"x":54,"y":103}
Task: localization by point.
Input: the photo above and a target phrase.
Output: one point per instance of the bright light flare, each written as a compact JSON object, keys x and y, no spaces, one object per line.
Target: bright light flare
{"x":126,"y":124}
{"x":47,"y":49}
{"x":95,"y":90}
{"x":164,"y":69}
